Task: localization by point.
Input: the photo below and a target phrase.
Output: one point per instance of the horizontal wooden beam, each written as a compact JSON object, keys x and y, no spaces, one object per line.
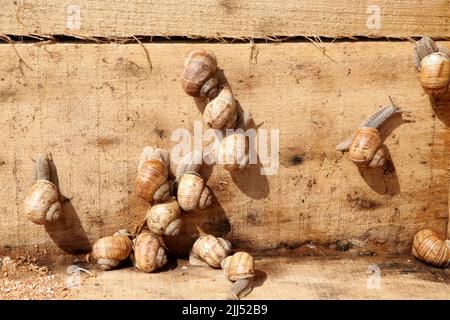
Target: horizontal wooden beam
{"x":226,"y":18}
{"x":94,"y":107}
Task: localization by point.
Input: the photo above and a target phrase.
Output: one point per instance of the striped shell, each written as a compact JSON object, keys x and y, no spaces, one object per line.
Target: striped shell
{"x":151,"y":176}
{"x":435,"y":73}
{"x":212,"y":250}
{"x":164,"y":218}
{"x":238,"y":266}
{"x":192,"y":192}
{"x":110,"y":251}
{"x":220,"y":113}
{"x":198,"y":78}
{"x":429,"y":248}
{"x":149,"y":255}
{"x":365,"y":145}
{"x":41,"y":203}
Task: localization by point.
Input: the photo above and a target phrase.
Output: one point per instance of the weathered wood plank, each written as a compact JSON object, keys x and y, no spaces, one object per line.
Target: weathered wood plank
{"x":95,"y":106}
{"x":280,"y":278}
{"x":226,"y":18}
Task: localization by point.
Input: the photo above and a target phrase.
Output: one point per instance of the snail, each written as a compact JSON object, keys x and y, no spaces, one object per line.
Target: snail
{"x":151,"y":181}
{"x":42,"y":203}
{"x":164,"y":218}
{"x":435,"y":73}
{"x":220,"y":112}
{"x":232,"y":152}
{"x":199,"y":75}
{"x":110,"y":251}
{"x":193,"y":192}
{"x":149,"y":253}
{"x":239,"y":268}
{"x":365,"y":146}
{"x":210,"y":250}
{"x":433,"y":63}
{"x":428,"y":247}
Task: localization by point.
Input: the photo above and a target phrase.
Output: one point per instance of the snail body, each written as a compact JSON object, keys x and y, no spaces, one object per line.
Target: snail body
{"x":428,"y":247}
{"x":365,"y":150}
{"x":151,"y":181}
{"x":193,"y":192}
{"x":239,"y":268}
{"x":211,"y":250}
{"x":434,"y":73}
{"x":164,"y":218}
{"x":220,"y":112}
{"x":110,"y":251}
{"x":149,"y":254}
{"x":199,"y":75}
{"x":41,"y":204}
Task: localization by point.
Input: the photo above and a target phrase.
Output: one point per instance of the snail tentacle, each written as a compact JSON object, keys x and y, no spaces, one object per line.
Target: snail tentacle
{"x":42,"y":168}
{"x":376,"y":120}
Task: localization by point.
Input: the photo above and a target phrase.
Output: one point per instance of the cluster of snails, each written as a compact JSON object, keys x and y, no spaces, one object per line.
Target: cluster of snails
{"x":216,"y":253}
{"x":203,"y":80}
{"x":169,"y":199}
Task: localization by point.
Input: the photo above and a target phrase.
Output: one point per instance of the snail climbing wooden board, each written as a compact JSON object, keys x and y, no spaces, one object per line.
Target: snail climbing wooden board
{"x":316,"y":100}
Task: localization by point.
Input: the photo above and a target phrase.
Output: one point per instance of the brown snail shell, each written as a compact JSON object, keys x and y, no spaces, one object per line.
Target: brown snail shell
{"x":435,"y":73}
{"x":110,"y":251}
{"x":151,"y":176}
{"x":428,"y":247}
{"x":149,"y":254}
{"x":220,"y":112}
{"x":198,"y":78}
{"x":42,"y":202}
{"x":164,"y":218}
{"x":366,"y":150}
{"x":239,"y":268}
{"x":211,"y":250}
{"x":233,"y":152}
{"x":193,"y":192}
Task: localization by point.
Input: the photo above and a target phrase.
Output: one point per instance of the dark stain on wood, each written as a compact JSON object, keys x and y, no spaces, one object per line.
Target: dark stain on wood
{"x":343,"y":245}
{"x":296,"y":160}
{"x":6,"y":95}
{"x":418,"y":269}
{"x":361,"y":203}
{"x":161,"y":133}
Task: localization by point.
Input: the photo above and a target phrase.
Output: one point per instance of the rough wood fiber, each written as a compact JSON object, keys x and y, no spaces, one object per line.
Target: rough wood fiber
{"x":280,"y":278}
{"x":95,"y":106}
{"x":225,"y":18}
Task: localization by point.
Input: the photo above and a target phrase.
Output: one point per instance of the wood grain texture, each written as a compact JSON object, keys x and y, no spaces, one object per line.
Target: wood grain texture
{"x":225,"y":18}
{"x":279,"y":278}
{"x":94,"y":107}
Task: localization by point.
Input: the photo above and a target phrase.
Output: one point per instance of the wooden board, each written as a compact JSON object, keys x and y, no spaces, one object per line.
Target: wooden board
{"x":279,"y":278}
{"x":94,"y":107}
{"x":226,"y":18}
